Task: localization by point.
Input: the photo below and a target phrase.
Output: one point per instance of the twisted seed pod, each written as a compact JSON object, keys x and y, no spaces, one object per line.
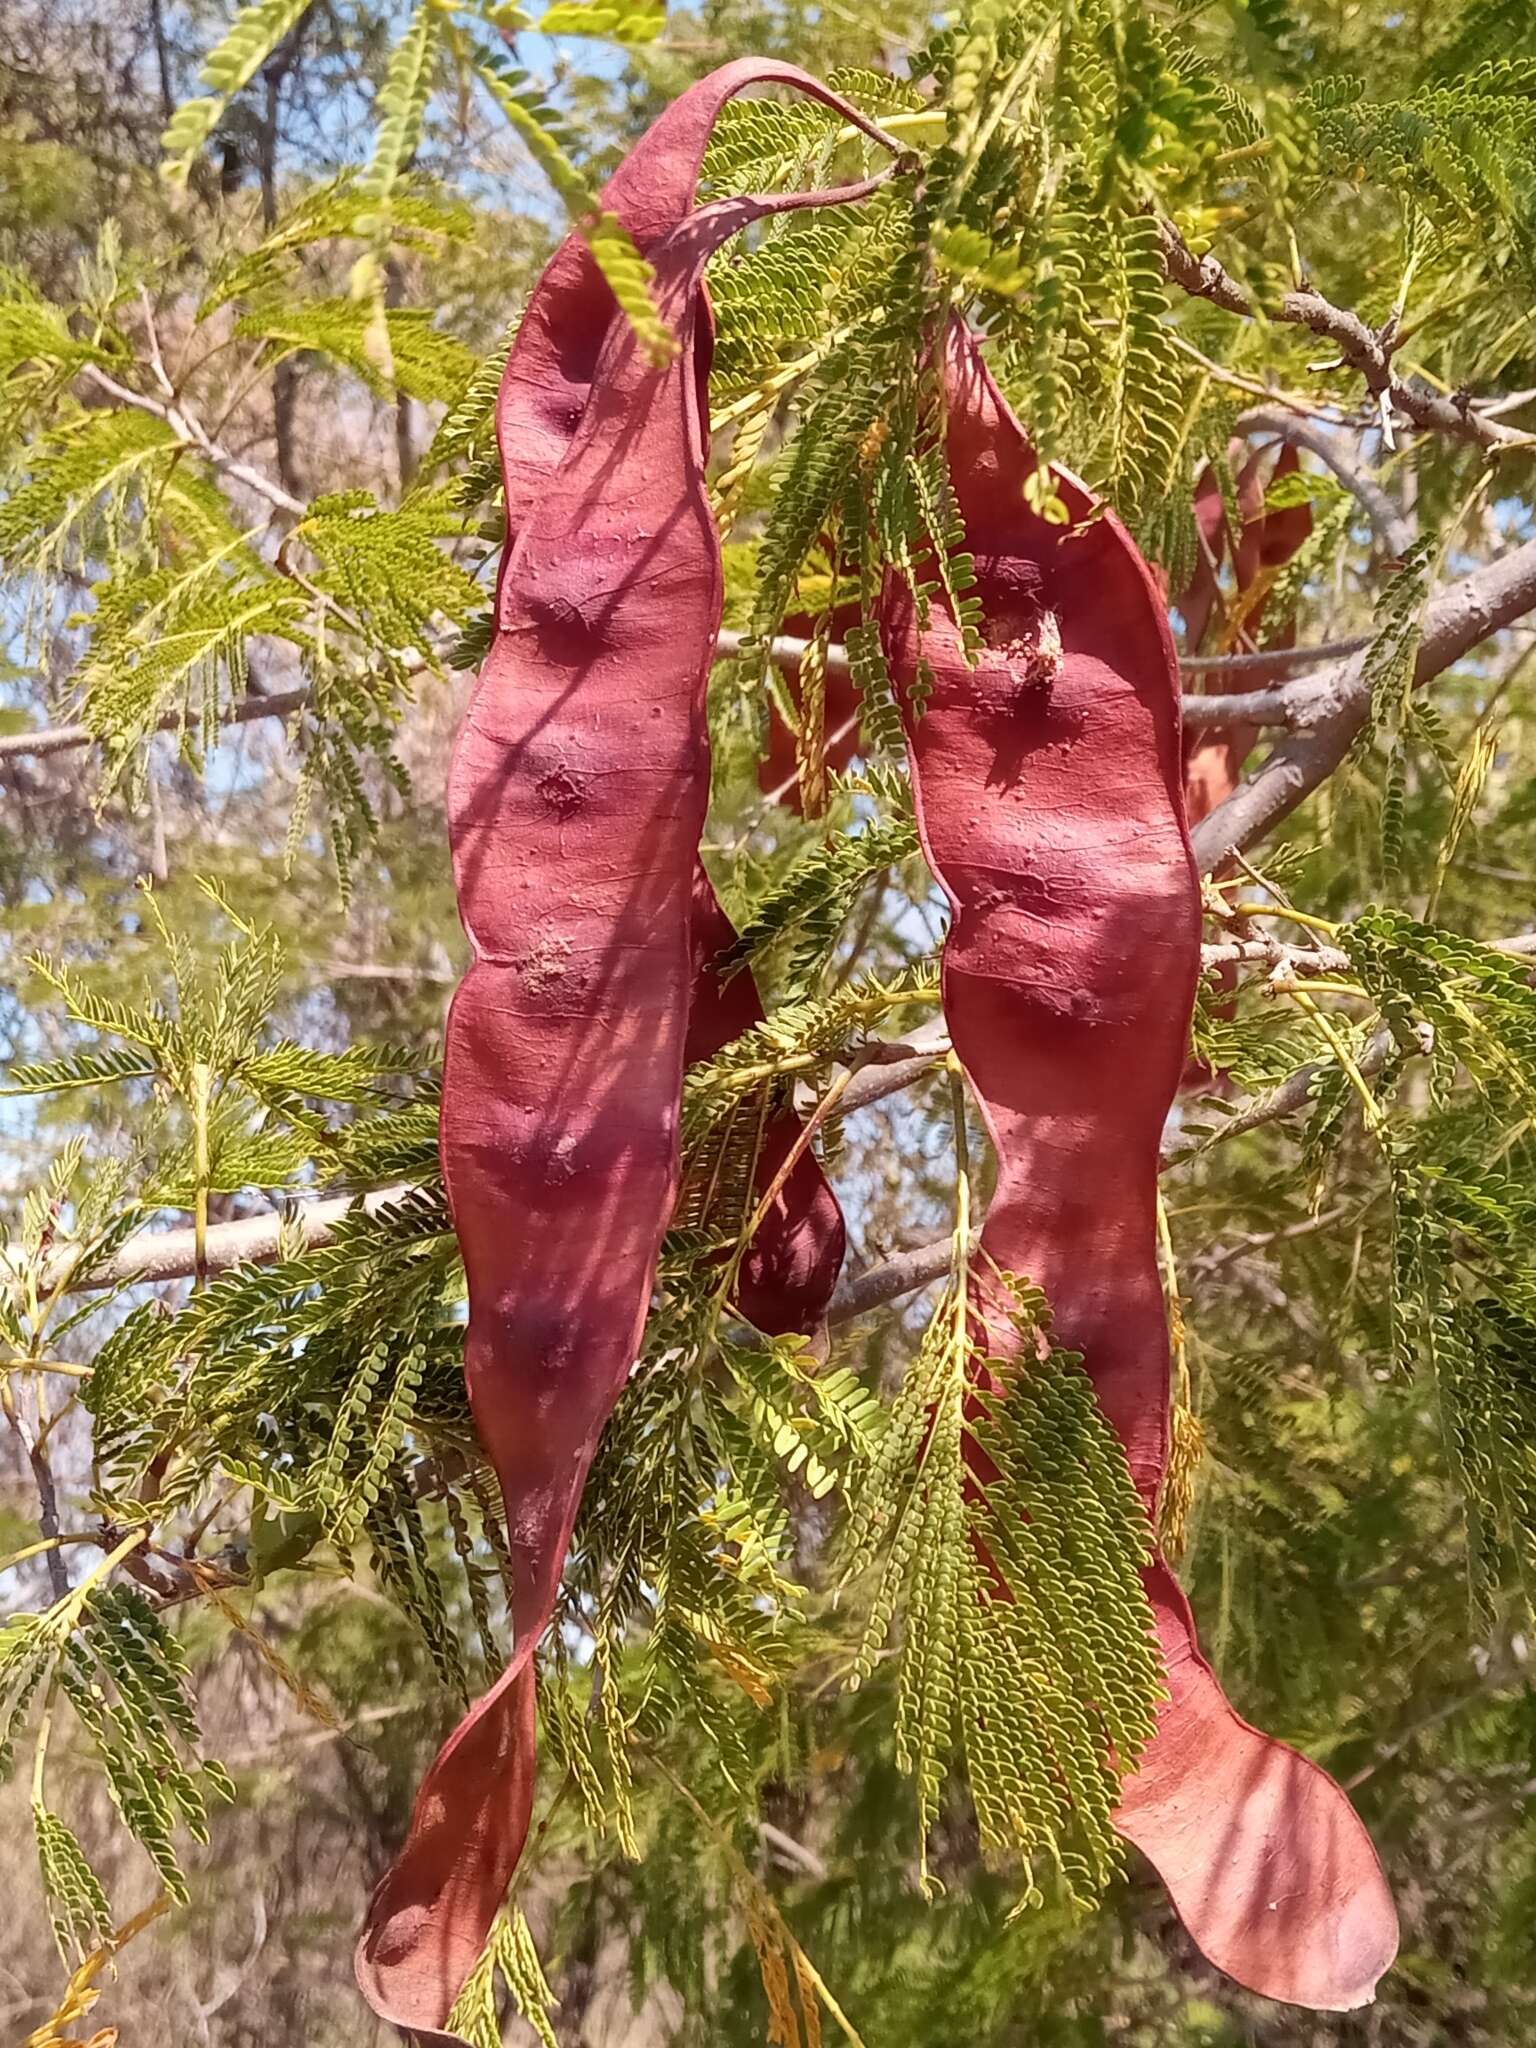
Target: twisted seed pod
{"x":791,"y":1267}
{"x":1049,"y":791}
{"x":576,"y":803}
{"x":1266,"y":541}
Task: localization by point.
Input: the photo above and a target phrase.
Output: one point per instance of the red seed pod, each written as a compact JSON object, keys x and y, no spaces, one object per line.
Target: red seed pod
{"x":788,"y":1274}
{"x":1050,"y":798}
{"x":791,"y":1266}
{"x":1214,"y":755}
{"x":576,"y":802}
{"x":1266,"y":541}
{"x":1049,"y":794}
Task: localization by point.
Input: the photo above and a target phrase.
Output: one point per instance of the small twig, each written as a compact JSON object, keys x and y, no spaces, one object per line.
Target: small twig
{"x":1234,"y":380}
{"x":190,"y":432}
{"x":41,"y":1548}
{"x":1496,"y":1679}
{"x":892,"y":1278}
{"x":152,"y":335}
{"x":794,"y":1852}
{"x":1275,"y":953}
{"x":388,"y":970}
{"x":36,"y":1455}
{"x":765,"y":1898}
{"x":1207,"y":1262}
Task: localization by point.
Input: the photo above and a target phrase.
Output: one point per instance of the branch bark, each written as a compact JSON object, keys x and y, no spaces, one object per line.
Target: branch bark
{"x":192,"y":434}
{"x":1331,"y":707}
{"x":889,"y":1280}
{"x":152,"y":1257}
{"x":1272,"y":661}
{"x":1295,"y":1091}
{"x":1364,"y":349}
{"x":66,"y":739}
{"x":1260,"y":707}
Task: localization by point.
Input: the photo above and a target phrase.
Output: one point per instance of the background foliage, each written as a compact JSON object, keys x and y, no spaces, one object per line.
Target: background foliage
{"x":258,"y":274}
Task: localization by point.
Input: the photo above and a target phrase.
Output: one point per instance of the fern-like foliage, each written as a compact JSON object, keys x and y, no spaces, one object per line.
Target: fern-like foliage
{"x":253,"y":35}
{"x":1460,"y":145}
{"x":106,"y":1652}
{"x":808,"y":904}
{"x":510,"y":1957}
{"x":1463,"y":1297}
{"x":1008,"y":1536}
{"x":419,"y":217}
{"x":426,"y":363}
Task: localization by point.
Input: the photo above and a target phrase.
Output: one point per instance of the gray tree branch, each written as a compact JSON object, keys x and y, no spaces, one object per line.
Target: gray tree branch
{"x":1331,"y":707}
{"x":1271,"y":707}
{"x":190,"y":431}
{"x":1361,"y":347}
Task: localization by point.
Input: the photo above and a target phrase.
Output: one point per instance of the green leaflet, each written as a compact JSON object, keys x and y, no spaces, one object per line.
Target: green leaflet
{"x":809,"y":905}
{"x":1459,"y":146}
{"x":256,"y":31}
{"x":511,"y":1956}
{"x":401,"y":107}
{"x":81,"y":1912}
{"x":107,"y":1653}
{"x":1026,"y":1643}
{"x":612,"y":23}
{"x":418,"y":216}
{"x":87,"y":469}
{"x":388,"y":568}
{"x":616,"y":256}
{"x":427,"y":363}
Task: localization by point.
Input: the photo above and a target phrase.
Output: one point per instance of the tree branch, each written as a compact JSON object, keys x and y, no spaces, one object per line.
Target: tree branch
{"x":889,"y":1280}
{"x":1332,"y":707}
{"x":192,"y":434}
{"x":1272,"y":661}
{"x":1251,"y":707}
{"x":1295,"y":1091}
{"x":1364,"y":350}
{"x":65,"y":739}
{"x":36,"y":1454}
{"x":152,"y":1257}
{"x":1273,"y":707}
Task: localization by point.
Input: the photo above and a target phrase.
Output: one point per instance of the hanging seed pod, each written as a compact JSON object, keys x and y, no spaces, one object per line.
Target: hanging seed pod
{"x":576,"y":803}
{"x":1049,"y":790}
{"x":1048,"y":781}
{"x":1266,"y":541}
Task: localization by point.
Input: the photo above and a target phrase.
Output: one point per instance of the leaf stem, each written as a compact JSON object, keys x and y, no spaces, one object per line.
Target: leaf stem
{"x":1283,"y":910}
{"x":1374,"y":1120}
{"x":760,"y":1893}
{"x":201,"y":1085}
